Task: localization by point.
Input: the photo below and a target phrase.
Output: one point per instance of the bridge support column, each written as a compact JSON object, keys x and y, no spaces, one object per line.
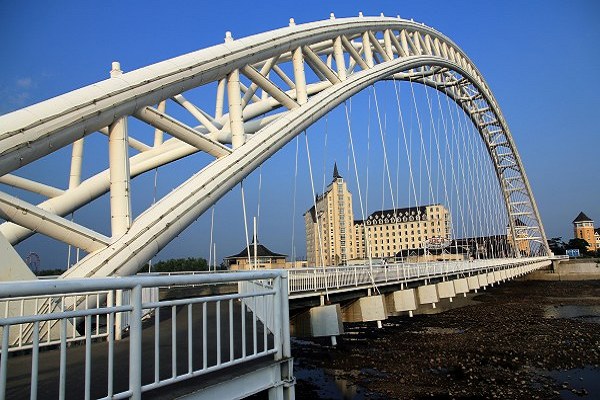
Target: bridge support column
{"x":402,"y":300}
{"x":491,"y":279}
{"x":319,"y":321}
{"x":299,"y":77}
{"x":446,"y":290}
{"x":236,"y":119}
{"x":118,"y":159}
{"x":497,"y":276}
{"x":473,"y":282}
{"x":428,"y":294}
{"x":461,"y":286}
{"x":365,"y":309}
{"x":483,"y":280}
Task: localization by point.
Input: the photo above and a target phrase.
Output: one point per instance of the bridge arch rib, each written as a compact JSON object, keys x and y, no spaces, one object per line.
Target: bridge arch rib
{"x":346,"y":56}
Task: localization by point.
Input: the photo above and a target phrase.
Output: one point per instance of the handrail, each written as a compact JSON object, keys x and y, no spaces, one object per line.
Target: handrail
{"x":229,"y":320}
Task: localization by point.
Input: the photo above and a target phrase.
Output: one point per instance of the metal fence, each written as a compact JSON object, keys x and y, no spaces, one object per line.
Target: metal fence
{"x":181,"y":338}
{"x":306,"y":281}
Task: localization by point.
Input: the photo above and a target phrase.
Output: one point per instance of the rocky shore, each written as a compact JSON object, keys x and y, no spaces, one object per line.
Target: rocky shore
{"x":507,"y":345}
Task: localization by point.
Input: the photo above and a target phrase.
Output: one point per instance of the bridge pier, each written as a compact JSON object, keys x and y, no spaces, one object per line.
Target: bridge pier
{"x":325,"y":320}
{"x":402,"y":300}
{"x":446,"y":290}
{"x":491,"y":279}
{"x":474,"y":283}
{"x":428,"y":294}
{"x":365,"y":309}
{"x":461,"y":286}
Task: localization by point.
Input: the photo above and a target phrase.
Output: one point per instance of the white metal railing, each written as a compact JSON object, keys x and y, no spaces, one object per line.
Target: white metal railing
{"x":214,"y":332}
{"x":304,"y":281}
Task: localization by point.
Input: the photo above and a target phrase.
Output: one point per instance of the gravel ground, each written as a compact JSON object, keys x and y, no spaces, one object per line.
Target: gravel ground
{"x":501,"y":347}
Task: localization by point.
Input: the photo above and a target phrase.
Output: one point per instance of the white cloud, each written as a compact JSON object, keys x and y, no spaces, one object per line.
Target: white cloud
{"x":24,"y":82}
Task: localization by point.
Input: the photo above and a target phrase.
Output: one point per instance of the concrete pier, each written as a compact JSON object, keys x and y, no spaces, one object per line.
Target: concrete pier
{"x":319,"y":321}
{"x":446,"y":290}
{"x":427,"y":294}
{"x":461,"y":286}
{"x":402,"y":301}
{"x":369,"y":308}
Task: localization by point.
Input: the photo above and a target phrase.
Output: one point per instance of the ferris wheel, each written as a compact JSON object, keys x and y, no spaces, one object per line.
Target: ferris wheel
{"x":33,"y":261}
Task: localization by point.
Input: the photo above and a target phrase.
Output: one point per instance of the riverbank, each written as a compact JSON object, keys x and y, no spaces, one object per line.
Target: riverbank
{"x":512,"y":343}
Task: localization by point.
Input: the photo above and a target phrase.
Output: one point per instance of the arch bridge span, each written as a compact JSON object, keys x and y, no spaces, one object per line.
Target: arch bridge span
{"x":303,"y":71}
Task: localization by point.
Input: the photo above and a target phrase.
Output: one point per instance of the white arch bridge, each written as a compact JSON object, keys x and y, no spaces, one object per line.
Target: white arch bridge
{"x":269,"y":88}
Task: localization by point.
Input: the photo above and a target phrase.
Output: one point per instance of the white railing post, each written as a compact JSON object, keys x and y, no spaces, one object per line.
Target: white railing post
{"x":277,"y":306}
{"x":118,"y":316}
{"x":135,"y":343}
{"x":285,"y":316}
{"x":4,"y":361}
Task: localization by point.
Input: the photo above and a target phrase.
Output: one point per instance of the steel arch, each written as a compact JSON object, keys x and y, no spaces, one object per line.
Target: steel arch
{"x":382,"y":48}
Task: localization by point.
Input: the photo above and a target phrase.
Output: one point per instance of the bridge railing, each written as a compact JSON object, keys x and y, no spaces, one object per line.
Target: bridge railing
{"x":197,"y":334}
{"x":303,"y":280}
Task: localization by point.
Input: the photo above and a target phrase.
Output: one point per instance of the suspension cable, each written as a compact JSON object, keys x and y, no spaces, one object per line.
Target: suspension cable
{"x":245,"y":223}
{"x":360,"y":198}
{"x":294,"y":203}
{"x":312,"y":186}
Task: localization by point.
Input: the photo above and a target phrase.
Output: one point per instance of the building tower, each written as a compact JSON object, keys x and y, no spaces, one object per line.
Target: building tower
{"x":583,"y":228}
{"x":329,"y":228}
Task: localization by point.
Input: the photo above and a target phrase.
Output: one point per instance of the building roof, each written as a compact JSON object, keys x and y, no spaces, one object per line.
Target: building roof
{"x":399,"y":212}
{"x":336,"y":174}
{"x":261,"y":251}
{"x":597,"y":230}
{"x":582,"y":218}
{"x":319,"y":197}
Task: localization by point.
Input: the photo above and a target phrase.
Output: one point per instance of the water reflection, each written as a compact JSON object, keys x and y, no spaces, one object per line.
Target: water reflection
{"x":578,"y":312}
{"x":329,"y":383}
{"x":578,"y":382}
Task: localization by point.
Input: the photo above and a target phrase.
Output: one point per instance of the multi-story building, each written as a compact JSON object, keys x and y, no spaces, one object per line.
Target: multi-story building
{"x":385,"y":233}
{"x":583,"y":228}
{"x":333,"y":237}
{"x":522,"y":238}
{"x":329,"y":230}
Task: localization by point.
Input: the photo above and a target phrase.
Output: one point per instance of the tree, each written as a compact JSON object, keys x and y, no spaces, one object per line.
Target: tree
{"x":179,"y":265}
{"x":580,"y":244}
{"x":557,"y":246}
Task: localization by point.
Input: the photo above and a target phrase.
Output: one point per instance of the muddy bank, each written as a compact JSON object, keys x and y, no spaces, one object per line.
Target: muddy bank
{"x":513,"y":343}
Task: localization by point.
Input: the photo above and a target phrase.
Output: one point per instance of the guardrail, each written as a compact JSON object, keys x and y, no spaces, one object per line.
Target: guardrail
{"x":308,"y":281}
{"x":218,"y":331}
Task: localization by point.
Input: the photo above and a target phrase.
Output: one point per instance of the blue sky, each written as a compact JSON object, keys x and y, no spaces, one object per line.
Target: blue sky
{"x":540,"y":58}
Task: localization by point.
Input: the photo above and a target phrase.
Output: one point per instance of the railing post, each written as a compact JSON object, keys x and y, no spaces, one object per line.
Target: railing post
{"x":285,"y":316}
{"x":4,"y":361}
{"x":278,"y":315}
{"x":118,"y":316}
{"x":135,"y":343}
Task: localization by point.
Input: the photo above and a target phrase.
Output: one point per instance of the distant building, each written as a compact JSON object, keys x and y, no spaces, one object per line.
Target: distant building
{"x":522,"y":237}
{"x":583,"y":228}
{"x":329,"y":225}
{"x":387,"y":232}
{"x":265,"y":259}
